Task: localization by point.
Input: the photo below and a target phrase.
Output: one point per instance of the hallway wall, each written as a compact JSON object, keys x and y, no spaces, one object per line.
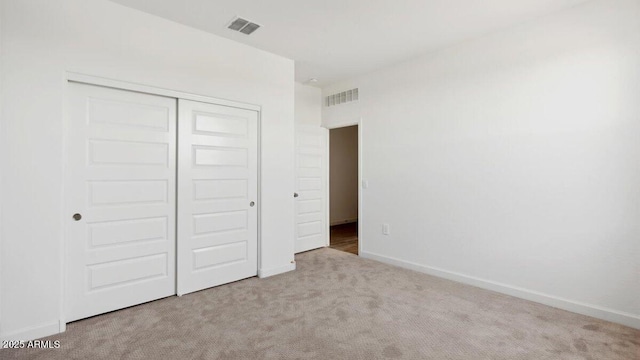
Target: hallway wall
{"x":343,"y":174}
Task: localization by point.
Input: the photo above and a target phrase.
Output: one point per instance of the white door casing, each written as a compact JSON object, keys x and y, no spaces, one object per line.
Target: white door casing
{"x":218,"y":187}
{"x":121,"y":171}
{"x":311,"y":187}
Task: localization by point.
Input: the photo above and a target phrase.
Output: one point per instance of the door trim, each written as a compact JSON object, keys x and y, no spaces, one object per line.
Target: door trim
{"x":152,"y":90}
{"x":357,"y":122}
{"x":73,"y":77}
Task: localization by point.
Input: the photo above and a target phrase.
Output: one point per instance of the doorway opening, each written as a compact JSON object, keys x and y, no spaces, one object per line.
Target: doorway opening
{"x":343,"y":188}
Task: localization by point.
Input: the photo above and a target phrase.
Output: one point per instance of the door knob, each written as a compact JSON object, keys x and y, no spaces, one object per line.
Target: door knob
{"x":77,"y":217}
{"x":252,"y":204}
{"x":295,"y":194}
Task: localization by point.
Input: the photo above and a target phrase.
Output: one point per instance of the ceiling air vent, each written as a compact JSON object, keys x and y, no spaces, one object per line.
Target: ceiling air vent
{"x":342,"y":97}
{"x":242,"y":25}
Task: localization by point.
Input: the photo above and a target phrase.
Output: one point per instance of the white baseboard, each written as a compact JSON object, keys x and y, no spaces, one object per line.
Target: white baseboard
{"x":345,"y":221}
{"x":263,"y":273}
{"x":35,"y":332}
{"x":598,"y":312}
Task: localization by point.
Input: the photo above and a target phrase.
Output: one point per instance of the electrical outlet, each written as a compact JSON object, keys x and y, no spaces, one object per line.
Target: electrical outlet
{"x":386,"y":229}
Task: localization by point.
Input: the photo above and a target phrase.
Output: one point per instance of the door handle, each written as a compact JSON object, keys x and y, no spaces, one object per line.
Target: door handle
{"x":77,"y":217}
{"x":295,"y":194}
{"x":252,"y":204}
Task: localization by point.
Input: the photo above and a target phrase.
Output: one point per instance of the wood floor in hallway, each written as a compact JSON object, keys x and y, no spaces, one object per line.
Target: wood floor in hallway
{"x":344,"y":237}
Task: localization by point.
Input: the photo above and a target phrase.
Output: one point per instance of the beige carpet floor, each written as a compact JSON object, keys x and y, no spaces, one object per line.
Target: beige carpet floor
{"x":339,"y":306}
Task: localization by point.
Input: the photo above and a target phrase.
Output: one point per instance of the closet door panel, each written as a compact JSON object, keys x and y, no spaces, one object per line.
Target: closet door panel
{"x":119,"y":199}
{"x":218,"y":188}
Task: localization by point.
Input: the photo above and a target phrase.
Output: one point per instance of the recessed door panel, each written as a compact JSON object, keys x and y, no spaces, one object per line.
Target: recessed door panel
{"x":109,"y":193}
{"x":220,"y":124}
{"x":220,"y":222}
{"x":127,"y":153}
{"x":124,"y":232}
{"x":205,"y":190}
{"x":138,"y":116}
{"x":220,"y":156}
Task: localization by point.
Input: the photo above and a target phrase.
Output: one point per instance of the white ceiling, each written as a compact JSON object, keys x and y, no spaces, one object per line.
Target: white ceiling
{"x":335,"y":39}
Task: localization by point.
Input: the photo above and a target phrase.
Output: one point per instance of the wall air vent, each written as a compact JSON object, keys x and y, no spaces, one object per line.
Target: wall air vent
{"x":342,"y":97}
{"x":243,"y":26}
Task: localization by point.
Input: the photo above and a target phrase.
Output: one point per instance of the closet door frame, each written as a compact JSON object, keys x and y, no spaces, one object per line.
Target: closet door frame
{"x":72,"y":77}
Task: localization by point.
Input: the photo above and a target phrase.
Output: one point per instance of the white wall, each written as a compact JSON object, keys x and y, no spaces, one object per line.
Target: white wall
{"x":344,"y":114}
{"x":343,"y":174}
{"x":308,"y":105}
{"x":512,"y":161}
{"x":41,"y":40}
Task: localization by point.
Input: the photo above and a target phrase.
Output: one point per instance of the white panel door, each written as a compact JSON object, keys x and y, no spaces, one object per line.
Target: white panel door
{"x":311,"y":188}
{"x":218,"y":202}
{"x":120,"y":199}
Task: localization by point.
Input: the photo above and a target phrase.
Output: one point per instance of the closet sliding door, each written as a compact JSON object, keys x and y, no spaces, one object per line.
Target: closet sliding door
{"x":120,"y":199}
{"x":157,"y":190}
{"x":218,"y":194}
